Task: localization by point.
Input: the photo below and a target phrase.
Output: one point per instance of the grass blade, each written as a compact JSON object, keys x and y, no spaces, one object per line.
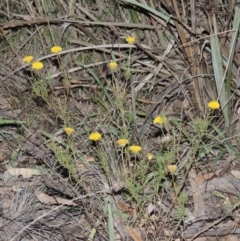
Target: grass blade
{"x":164,"y":16}
{"x":236,"y":23}
{"x":10,"y":122}
{"x":110,"y":223}
{"x":218,"y":71}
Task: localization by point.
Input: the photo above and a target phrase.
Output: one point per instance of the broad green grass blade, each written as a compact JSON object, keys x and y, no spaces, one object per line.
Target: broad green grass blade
{"x":231,"y":149}
{"x":236,"y":23}
{"x":92,"y":234}
{"x":218,"y":71}
{"x":133,"y":102}
{"x":164,"y":16}
{"x":10,"y":122}
{"x":110,"y":223}
{"x":133,"y":16}
{"x":14,"y":156}
{"x":93,"y":231}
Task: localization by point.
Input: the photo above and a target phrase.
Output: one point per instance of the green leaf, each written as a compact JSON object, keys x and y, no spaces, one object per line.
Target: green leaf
{"x":218,"y":71}
{"x":10,"y":122}
{"x":164,"y":16}
{"x":110,"y":223}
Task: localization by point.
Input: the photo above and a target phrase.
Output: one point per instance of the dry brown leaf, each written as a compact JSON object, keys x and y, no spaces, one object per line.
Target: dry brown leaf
{"x":44,"y":198}
{"x":2,"y":190}
{"x":6,"y":202}
{"x":90,"y":159}
{"x":122,"y":206}
{"x":229,"y":237}
{"x":201,"y":178}
{"x":125,"y":208}
{"x":24,"y":172}
{"x":134,"y":234}
{"x":236,"y":174}
{"x":2,"y":157}
{"x":167,"y":232}
{"x":5,"y":104}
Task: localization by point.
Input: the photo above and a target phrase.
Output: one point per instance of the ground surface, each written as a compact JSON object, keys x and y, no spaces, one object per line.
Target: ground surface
{"x":166,"y":163}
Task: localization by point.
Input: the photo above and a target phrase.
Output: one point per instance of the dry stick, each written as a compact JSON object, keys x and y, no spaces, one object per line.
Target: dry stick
{"x":213,"y":224}
{"x":205,"y":229}
{"x":212,"y":233}
{"x":205,"y":37}
{"x":14,"y":24}
{"x":56,"y":208}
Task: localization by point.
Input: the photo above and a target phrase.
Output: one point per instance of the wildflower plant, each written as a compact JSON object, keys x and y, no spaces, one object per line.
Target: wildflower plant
{"x":63,"y":156}
{"x":135,"y":149}
{"x":159,"y":120}
{"x":130,"y":40}
{"x":40,"y":88}
{"x":150,"y":156}
{"x":28,"y":59}
{"x":37,"y":65}
{"x":122,"y":142}
{"x":56,"y":49}
{"x":69,"y":130}
{"x":214,"y":105}
{"x":112,"y":65}
{"x":122,"y":101}
{"x":172,"y":168}
{"x":95,"y":136}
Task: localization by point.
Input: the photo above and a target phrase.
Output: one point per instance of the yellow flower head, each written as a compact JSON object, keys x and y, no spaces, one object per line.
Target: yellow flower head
{"x":214,"y":105}
{"x":150,"y":156}
{"x":112,"y":65}
{"x":56,"y":49}
{"x":28,"y":59}
{"x":122,"y":142}
{"x":172,"y":168}
{"x":69,"y":130}
{"x":130,"y":39}
{"x":135,"y":149}
{"x":37,"y":65}
{"x":95,"y":136}
{"x":159,"y":120}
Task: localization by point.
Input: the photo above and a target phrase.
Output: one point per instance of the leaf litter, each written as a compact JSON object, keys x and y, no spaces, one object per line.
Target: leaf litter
{"x":171,"y":72}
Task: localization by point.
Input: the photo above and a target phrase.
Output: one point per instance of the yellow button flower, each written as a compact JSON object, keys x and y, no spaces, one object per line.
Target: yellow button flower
{"x":172,"y":168}
{"x":28,"y":59}
{"x":95,"y":136}
{"x":112,"y":65}
{"x":213,"y":105}
{"x":150,"y":156}
{"x":159,"y":120}
{"x":130,"y":40}
{"x":56,"y":49}
{"x":135,"y":149}
{"x":37,"y":65}
{"x":122,"y":142}
{"x":69,"y":130}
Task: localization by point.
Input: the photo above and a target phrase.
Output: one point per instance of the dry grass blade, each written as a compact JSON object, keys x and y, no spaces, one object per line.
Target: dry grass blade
{"x":15,"y":24}
{"x":189,"y":49}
